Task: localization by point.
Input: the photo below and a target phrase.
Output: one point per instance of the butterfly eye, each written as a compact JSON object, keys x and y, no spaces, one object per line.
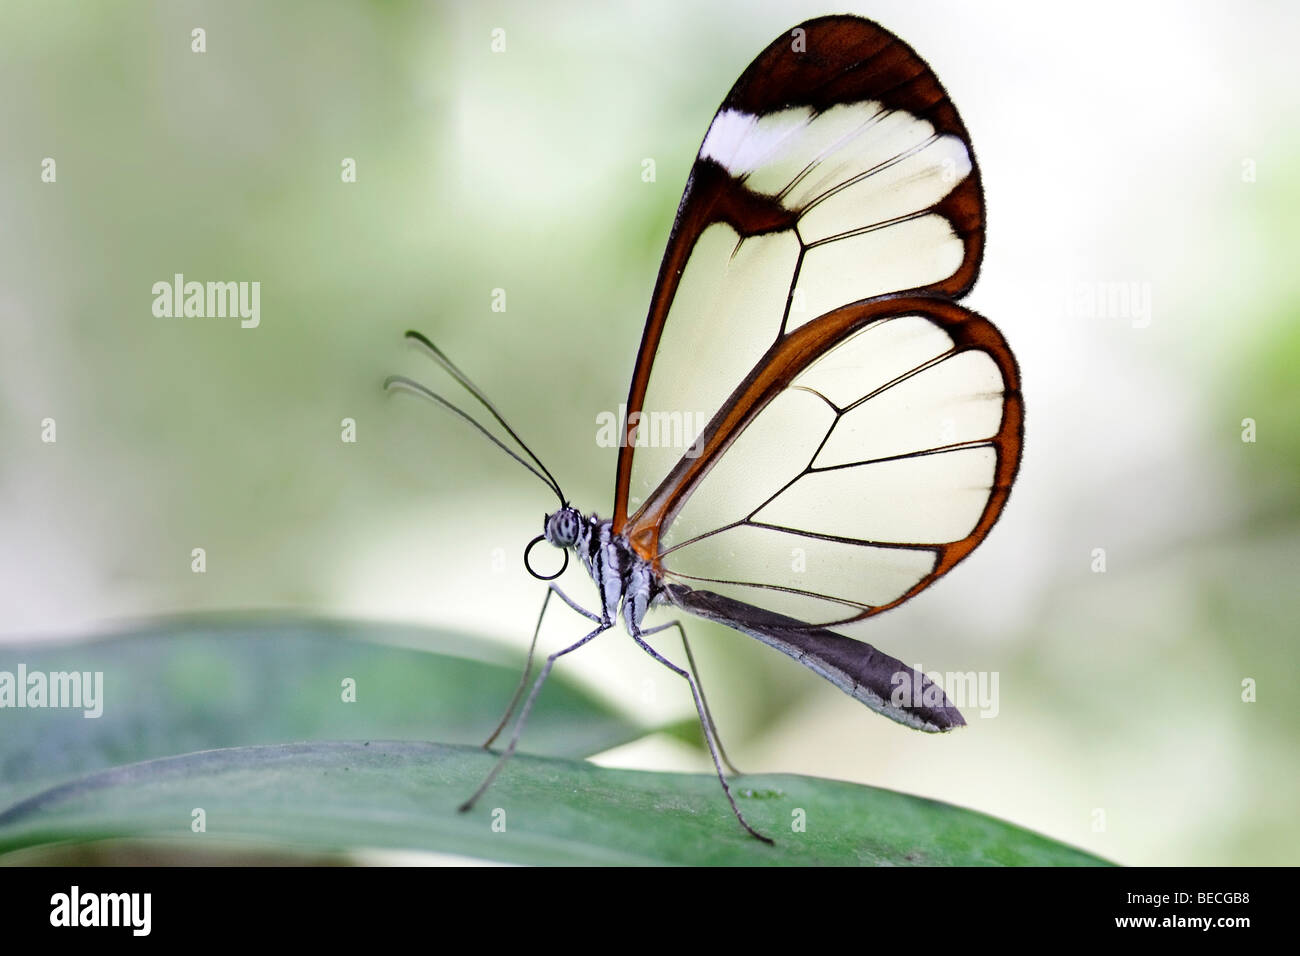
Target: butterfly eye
{"x":562,"y":528}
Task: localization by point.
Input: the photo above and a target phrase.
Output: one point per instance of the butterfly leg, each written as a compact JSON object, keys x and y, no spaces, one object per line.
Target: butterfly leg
{"x":704,"y":722}
{"x":523,"y":714}
{"x":528,"y":664}
{"x":695,"y":672}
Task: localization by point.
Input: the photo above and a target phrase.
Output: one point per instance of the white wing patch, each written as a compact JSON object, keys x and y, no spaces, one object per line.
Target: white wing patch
{"x":798,"y":171}
{"x":740,"y":142}
{"x":804,"y":158}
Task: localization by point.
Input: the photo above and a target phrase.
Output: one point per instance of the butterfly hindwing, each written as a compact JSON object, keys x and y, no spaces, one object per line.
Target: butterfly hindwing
{"x":846,"y":478}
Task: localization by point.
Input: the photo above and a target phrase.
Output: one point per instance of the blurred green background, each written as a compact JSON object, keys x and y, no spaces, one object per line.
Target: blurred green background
{"x":1152,"y":145}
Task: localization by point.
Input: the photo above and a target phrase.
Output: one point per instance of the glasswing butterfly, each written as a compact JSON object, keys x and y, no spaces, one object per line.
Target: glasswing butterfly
{"x":858,"y":418}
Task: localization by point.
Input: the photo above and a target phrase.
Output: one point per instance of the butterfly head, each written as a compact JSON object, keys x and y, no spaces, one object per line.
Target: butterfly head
{"x":562,"y":527}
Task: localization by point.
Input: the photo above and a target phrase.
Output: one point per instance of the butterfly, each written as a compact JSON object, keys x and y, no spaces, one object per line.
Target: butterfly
{"x":859,"y":430}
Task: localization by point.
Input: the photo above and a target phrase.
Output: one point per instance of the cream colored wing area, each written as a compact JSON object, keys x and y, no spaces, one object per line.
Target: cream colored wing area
{"x":778,"y":560}
{"x":902,"y":186}
{"x":861,"y":179}
{"x":840,"y":494}
{"x":770,"y":453}
{"x":955,"y":400}
{"x":873,"y":357}
{"x":727,"y":312}
{"x":906,"y":254}
{"x":928,"y":499}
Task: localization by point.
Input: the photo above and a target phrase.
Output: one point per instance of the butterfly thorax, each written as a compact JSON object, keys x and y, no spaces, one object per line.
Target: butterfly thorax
{"x":624,"y":579}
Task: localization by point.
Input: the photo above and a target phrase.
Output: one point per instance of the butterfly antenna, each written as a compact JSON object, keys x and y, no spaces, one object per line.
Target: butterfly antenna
{"x":402,"y":383}
{"x":441,"y":358}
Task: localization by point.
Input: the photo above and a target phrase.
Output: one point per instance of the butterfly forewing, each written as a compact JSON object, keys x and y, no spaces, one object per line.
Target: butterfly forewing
{"x":835,"y":170}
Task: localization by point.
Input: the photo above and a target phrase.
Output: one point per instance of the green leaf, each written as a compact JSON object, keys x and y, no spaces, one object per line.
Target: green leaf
{"x":402,"y":795}
{"x":190,"y":685}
